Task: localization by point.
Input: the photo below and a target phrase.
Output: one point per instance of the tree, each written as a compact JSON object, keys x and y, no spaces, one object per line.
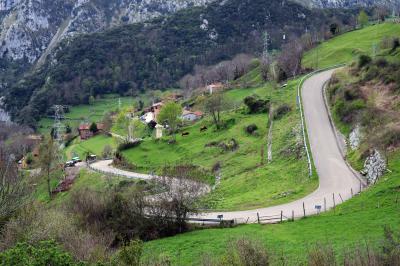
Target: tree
{"x":43,"y":253}
{"x":107,"y":122}
{"x":214,"y":105}
{"x":182,"y":193}
{"x":93,"y":127}
{"x":48,"y":153}
{"x":334,"y":28}
{"x":13,"y":189}
{"x":362,"y":19}
{"x":290,"y":58}
{"x":169,"y":115}
{"x":107,"y":151}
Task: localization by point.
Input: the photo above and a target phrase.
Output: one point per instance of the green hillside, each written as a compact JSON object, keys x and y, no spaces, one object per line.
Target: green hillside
{"x":347,"y":47}
{"x":357,"y":221}
{"x":245,"y":183}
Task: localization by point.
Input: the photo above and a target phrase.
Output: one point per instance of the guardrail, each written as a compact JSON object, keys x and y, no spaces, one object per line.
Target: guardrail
{"x":300,"y":102}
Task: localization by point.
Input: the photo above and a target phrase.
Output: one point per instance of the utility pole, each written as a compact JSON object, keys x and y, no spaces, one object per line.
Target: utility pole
{"x":59,"y":130}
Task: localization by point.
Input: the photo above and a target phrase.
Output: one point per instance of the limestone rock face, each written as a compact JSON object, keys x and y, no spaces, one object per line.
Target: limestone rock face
{"x":374,"y":167}
{"x":355,"y":138}
{"x":347,"y":3}
{"x":30,"y":29}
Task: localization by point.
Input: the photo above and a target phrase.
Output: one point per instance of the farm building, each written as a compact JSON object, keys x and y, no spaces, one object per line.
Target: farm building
{"x":191,"y":116}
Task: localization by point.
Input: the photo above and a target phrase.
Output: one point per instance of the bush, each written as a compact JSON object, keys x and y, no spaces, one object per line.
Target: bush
{"x":363,"y":60}
{"x":126,"y":145}
{"x":256,"y":105}
{"x":395,"y":43}
{"x":129,"y":255}
{"x":247,"y":253}
{"x":321,"y":255}
{"x":282,"y":110}
{"x":44,"y":253}
{"x":251,"y":129}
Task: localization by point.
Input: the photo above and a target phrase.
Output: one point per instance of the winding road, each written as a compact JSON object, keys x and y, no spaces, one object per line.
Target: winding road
{"x":337,"y":181}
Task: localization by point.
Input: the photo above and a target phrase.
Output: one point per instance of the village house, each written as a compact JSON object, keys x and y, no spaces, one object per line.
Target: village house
{"x":86,"y":133}
{"x":152,"y":112}
{"x":191,"y":116}
{"x":215,"y":87}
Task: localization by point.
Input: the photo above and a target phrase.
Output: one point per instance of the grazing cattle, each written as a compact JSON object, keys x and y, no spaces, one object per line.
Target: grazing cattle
{"x":204,"y":128}
{"x":185,"y":134}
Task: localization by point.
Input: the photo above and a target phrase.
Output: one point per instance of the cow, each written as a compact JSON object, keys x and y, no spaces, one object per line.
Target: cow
{"x":204,"y":128}
{"x":185,"y":134}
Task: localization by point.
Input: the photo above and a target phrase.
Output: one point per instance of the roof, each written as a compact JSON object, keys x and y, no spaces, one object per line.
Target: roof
{"x":100,"y":126}
{"x":84,"y":127}
{"x":196,"y":113}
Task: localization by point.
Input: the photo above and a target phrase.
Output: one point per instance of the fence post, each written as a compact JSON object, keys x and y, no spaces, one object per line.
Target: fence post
{"x":351,"y":192}
{"x":360,"y":187}
{"x":341,"y":197}
{"x":304,"y":209}
{"x":292,"y":215}
{"x":334,"y":203}
{"x":325,"y":204}
{"x":281,"y":216}
{"x":258,"y":217}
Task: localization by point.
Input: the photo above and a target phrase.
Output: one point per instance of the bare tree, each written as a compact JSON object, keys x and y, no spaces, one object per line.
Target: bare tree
{"x":290,"y":58}
{"x":47,"y":160}
{"x":13,"y":188}
{"x":181,"y":196}
{"x":214,"y":105}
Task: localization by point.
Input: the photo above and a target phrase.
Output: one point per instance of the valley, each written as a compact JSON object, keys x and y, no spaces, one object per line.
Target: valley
{"x":184,"y":134}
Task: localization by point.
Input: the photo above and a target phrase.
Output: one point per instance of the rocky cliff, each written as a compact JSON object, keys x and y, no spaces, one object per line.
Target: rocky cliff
{"x":29,"y":29}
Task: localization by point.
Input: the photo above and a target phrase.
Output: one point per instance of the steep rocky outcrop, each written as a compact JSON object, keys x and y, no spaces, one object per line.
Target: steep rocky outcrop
{"x":31,"y":28}
{"x":374,"y":167}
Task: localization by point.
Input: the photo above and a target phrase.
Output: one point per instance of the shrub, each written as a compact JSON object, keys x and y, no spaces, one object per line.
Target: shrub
{"x":321,"y":255}
{"x":395,"y":43}
{"x":251,"y":129}
{"x":247,"y":253}
{"x":44,"y":253}
{"x":256,"y":105}
{"x":129,"y":255}
{"x":363,"y":60}
{"x":282,"y":110}
{"x":126,"y":145}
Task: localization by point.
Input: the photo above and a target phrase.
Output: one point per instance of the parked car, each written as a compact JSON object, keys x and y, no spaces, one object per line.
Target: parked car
{"x":76,"y":160}
{"x":70,"y":164}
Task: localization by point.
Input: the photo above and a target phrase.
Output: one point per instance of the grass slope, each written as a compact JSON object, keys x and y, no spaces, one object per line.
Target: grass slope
{"x":245,"y":184}
{"x":358,"y":220}
{"x":346,"y":47}
{"x":94,"y":145}
{"x":91,"y":113}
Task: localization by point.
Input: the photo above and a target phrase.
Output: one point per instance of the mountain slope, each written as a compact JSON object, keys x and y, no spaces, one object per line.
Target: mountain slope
{"x":28,"y":27}
{"x":158,"y":53}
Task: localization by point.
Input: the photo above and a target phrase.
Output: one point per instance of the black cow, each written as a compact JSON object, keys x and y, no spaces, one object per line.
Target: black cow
{"x":185,"y":134}
{"x":204,"y":128}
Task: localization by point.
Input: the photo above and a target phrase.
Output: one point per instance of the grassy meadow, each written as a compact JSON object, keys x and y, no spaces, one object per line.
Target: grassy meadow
{"x":353,"y":223}
{"x":245,"y":182}
{"x":348,"y":46}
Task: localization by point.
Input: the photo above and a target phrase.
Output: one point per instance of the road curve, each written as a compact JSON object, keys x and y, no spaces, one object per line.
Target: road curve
{"x":337,"y":181}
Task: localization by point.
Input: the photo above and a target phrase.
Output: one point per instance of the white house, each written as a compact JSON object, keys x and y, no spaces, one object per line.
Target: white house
{"x":191,"y":116}
{"x":147,"y":117}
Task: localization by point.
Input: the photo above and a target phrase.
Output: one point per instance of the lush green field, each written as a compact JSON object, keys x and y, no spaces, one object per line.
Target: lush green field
{"x":94,"y":145}
{"x":91,"y":113}
{"x":346,"y":47}
{"x":355,"y":222}
{"x":245,"y":183}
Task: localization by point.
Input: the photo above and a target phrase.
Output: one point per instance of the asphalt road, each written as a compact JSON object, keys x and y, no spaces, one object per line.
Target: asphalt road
{"x":337,"y":181}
